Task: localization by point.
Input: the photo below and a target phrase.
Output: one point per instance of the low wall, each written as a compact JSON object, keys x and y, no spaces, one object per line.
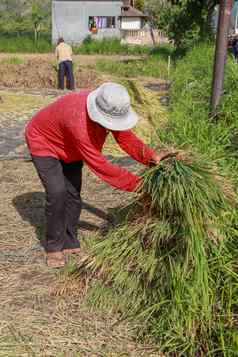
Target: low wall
{"x":143,"y":37}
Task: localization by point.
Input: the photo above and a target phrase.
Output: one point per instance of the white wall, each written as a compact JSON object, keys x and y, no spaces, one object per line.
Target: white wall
{"x":131,"y":23}
{"x":70,"y":19}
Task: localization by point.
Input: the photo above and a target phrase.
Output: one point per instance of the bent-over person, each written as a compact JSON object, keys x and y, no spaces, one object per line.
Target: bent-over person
{"x":65,"y":135}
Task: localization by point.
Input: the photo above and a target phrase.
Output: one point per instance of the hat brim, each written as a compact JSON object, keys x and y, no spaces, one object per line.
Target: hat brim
{"x":125,"y":122}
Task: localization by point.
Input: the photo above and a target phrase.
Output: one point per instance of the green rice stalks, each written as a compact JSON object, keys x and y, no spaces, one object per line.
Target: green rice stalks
{"x":172,"y":260}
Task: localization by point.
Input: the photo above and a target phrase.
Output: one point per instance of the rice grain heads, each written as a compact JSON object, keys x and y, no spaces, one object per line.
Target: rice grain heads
{"x":172,"y":260}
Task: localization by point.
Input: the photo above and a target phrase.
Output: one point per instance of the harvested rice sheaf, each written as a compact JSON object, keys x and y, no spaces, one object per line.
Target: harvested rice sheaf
{"x":172,"y":260}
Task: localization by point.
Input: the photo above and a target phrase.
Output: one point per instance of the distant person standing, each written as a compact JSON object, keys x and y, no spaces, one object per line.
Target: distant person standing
{"x":234,"y":48}
{"x":64,"y":53}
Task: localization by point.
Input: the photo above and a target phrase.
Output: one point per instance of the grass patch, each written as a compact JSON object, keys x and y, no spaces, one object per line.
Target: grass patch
{"x":12,"y":60}
{"x":189,"y":124}
{"x":109,"y":47}
{"x":151,"y":66}
{"x":155,"y":63}
{"x":25,"y":44}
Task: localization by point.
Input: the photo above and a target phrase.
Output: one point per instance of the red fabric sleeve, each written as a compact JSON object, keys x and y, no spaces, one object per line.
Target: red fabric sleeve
{"x":131,"y":144}
{"x":112,"y":174}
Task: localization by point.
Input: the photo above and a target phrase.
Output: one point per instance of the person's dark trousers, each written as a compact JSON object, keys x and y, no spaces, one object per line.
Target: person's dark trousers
{"x":234,"y":53}
{"x":69,"y":75}
{"x":66,"y":69}
{"x":62,"y":183}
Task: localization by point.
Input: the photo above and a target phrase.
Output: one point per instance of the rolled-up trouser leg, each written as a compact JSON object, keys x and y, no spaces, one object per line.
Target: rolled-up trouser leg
{"x":51,"y":174}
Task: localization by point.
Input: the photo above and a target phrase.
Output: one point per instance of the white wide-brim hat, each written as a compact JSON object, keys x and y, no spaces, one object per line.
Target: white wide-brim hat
{"x":110,"y":106}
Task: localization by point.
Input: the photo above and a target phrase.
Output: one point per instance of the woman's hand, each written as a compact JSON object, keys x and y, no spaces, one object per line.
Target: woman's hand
{"x":165,"y":154}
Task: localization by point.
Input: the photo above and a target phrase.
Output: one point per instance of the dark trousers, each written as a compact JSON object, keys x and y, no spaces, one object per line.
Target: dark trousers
{"x":66,"y":69}
{"x":62,"y":183}
{"x":235,"y":52}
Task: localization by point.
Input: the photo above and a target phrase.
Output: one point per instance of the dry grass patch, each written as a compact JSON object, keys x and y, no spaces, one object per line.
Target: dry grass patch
{"x":20,"y":102}
{"x":34,"y":320}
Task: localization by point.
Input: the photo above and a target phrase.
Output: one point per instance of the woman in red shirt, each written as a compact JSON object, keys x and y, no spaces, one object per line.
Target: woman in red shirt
{"x":68,"y":133}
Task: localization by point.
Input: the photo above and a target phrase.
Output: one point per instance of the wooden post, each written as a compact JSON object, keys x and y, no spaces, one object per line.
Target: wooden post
{"x":221,"y":52}
{"x":169,"y":64}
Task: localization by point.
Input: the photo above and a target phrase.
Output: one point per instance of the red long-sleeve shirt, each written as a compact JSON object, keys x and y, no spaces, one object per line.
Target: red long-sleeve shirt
{"x":64,"y":130}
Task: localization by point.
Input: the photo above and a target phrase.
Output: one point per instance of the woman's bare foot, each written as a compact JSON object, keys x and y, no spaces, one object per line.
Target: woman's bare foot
{"x":55,"y":259}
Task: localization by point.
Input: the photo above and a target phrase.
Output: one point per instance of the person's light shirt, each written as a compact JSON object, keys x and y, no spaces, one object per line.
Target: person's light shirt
{"x":63,"y":52}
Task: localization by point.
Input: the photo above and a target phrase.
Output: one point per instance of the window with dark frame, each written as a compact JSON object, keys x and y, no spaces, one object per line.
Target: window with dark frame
{"x":102,"y":22}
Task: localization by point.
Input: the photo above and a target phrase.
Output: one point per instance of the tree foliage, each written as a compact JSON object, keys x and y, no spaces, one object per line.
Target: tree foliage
{"x":21,"y":16}
{"x":39,"y":17}
{"x":140,"y":5}
{"x":185,"y":21}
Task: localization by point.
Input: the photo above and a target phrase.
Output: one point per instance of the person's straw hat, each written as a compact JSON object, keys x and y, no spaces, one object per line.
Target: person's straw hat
{"x":110,"y":106}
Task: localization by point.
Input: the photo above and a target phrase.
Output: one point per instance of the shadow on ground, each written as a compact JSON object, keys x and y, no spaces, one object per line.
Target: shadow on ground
{"x":30,"y":206}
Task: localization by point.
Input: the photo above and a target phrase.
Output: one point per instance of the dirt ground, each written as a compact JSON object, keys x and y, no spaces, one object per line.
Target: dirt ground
{"x":36,"y":321}
{"x":33,"y":321}
{"x":40,"y":71}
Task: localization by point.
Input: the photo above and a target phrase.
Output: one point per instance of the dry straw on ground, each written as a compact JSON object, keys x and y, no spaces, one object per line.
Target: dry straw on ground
{"x":34,"y":320}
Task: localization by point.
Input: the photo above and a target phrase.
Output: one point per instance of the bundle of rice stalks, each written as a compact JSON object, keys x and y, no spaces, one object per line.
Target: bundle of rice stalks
{"x":172,"y":261}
